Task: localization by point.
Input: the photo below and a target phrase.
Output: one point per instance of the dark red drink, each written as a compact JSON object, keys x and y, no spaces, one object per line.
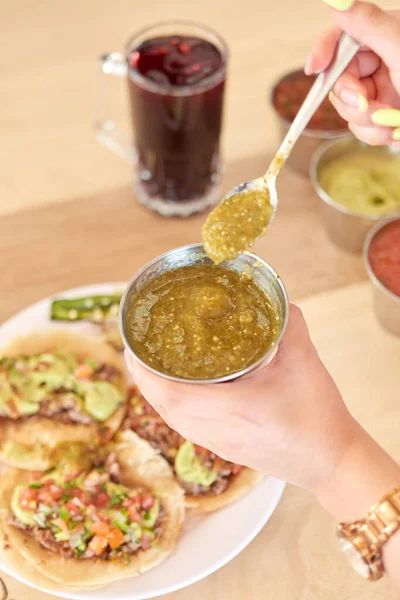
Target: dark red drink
{"x":176,"y":86}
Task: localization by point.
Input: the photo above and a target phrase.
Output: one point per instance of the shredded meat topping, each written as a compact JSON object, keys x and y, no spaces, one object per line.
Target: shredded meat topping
{"x":149,"y":425}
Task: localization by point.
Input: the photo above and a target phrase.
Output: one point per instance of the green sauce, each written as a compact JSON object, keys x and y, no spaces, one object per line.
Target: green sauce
{"x":201,"y":322}
{"x":236,"y":223}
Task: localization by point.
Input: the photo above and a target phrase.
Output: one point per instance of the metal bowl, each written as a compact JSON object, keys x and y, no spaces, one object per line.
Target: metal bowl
{"x":264,"y":276}
{"x":386,"y":303}
{"x":310,"y":139}
{"x":345,"y":228}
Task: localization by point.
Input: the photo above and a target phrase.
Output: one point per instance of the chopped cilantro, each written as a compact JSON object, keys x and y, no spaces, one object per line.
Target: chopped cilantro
{"x":103,"y":487}
{"x":36,"y":486}
{"x":92,"y":364}
{"x":72,"y":524}
{"x":147,"y":515}
{"x":65,"y":497}
{"x":117,"y":497}
{"x":65,"y":514}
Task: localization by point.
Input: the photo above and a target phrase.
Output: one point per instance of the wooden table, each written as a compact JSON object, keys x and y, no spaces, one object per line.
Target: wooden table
{"x":69,"y":218}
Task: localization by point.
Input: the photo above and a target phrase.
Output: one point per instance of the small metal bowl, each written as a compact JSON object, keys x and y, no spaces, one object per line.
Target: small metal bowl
{"x":264,"y":276}
{"x":310,"y":139}
{"x":345,"y":228}
{"x":386,"y":303}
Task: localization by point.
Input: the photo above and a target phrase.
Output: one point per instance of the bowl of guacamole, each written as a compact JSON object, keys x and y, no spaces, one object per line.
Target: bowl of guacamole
{"x":359,"y":185}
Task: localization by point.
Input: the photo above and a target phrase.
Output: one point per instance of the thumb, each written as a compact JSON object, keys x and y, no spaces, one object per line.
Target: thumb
{"x":374,"y":28}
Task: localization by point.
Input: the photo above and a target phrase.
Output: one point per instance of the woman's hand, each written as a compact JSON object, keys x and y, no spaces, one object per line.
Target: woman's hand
{"x":287,"y":420}
{"x":367,"y":95}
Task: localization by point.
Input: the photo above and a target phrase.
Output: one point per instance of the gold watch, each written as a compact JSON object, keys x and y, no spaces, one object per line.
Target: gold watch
{"x":362,"y":541}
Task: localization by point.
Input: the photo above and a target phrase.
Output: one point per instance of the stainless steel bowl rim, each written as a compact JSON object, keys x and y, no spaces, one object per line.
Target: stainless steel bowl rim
{"x":367,"y":244}
{"x":225,"y":378}
{"x":316,"y":157}
{"x":308,"y":132}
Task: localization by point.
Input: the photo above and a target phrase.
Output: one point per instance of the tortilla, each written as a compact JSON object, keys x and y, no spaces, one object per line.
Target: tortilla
{"x":140,"y":466}
{"x":239,"y":486}
{"x":37,"y":436}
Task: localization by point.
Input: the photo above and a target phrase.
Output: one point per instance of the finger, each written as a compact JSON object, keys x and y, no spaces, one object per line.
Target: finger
{"x":373,"y":136}
{"x":368,"y":63}
{"x":322,"y":53}
{"x":296,"y":341}
{"x":355,"y":116}
{"x":195,"y":400}
{"x":376,"y":29}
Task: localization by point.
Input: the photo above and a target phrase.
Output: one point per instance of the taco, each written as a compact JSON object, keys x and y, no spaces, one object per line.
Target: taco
{"x":92,"y":519}
{"x":57,"y":387}
{"x":209,"y":481}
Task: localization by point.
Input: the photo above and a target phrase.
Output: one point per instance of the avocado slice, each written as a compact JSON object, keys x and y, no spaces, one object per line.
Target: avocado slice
{"x":189,"y":468}
{"x":101,"y":399}
{"x":23,"y":515}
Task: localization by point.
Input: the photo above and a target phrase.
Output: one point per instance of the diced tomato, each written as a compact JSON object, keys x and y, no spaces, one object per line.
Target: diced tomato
{"x":101,"y":500}
{"x":145,"y":541}
{"x":147,"y":501}
{"x":100,"y":528}
{"x":81,"y":495}
{"x":72,"y":508}
{"x":49,"y":494}
{"x":98,"y":544}
{"x":83,"y":371}
{"x":28,"y":498}
{"x":115,"y":538}
{"x":56,"y":492}
{"x":61,"y":524}
{"x":133,"y":514}
{"x":135,"y":498}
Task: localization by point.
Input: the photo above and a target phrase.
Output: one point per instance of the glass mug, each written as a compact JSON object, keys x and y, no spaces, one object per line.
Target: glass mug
{"x":176,"y":74}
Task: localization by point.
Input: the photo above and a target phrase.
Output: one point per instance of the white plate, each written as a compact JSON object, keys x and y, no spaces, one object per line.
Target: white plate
{"x":207,"y":543}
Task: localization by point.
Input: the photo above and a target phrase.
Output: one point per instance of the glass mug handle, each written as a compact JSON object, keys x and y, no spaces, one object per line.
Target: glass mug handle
{"x":107,"y":133}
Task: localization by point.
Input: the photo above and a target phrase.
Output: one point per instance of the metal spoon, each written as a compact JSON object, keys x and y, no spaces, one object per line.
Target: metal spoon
{"x":265,"y":187}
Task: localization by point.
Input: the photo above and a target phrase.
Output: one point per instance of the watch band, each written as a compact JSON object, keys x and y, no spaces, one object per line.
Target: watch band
{"x":369,"y":535}
{"x":383,"y":518}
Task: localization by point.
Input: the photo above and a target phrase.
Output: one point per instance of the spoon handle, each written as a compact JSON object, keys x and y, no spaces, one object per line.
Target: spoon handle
{"x":346,"y":49}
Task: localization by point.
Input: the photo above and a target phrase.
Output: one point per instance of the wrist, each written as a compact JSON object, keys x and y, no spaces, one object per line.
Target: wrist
{"x":363,"y":475}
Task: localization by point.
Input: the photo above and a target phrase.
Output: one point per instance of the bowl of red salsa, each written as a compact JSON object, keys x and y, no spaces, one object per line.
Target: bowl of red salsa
{"x":288,"y":94}
{"x":382,"y":260}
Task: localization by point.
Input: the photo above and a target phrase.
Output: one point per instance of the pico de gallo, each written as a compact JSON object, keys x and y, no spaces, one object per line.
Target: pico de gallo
{"x":88,"y":514}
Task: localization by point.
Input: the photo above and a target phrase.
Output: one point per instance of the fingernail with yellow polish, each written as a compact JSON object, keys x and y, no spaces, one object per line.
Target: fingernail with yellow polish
{"x":340,"y":4}
{"x":331,"y":97}
{"x":386,"y":116}
{"x":396,"y":134}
